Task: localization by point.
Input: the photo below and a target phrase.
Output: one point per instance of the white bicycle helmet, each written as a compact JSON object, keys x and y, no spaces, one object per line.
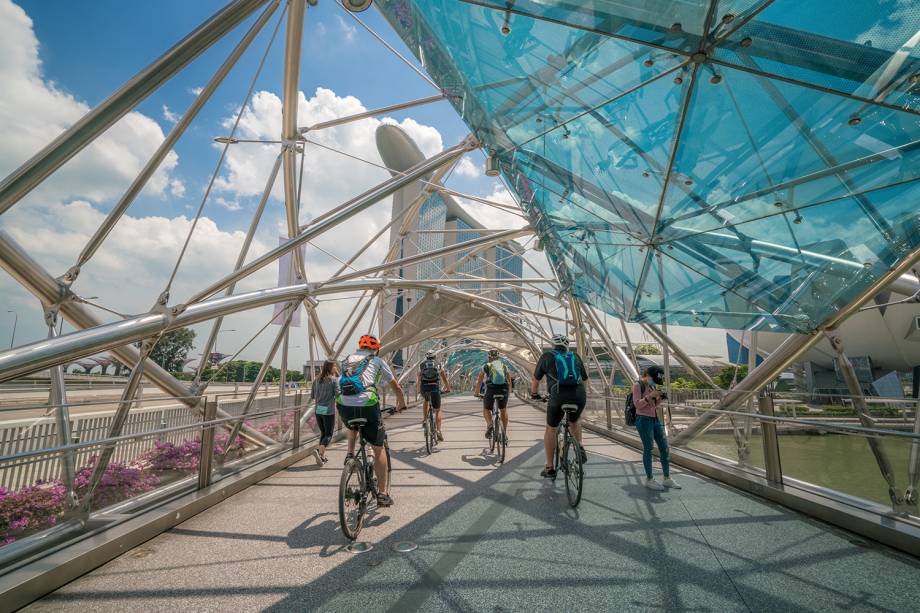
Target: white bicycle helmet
{"x":561,"y":340}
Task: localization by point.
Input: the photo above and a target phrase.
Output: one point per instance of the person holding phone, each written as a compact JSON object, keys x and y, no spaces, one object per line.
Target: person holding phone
{"x":647,"y":396}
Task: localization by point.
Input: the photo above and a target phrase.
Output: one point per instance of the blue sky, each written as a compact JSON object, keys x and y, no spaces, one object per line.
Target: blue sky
{"x":62,"y":58}
{"x":90,"y":48}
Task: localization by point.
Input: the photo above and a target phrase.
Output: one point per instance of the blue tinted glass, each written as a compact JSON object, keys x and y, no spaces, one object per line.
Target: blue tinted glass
{"x":763,"y":178}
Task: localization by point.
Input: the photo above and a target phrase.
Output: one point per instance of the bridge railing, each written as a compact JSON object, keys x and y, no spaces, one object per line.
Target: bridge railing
{"x":160,"y":453}
{"x":791,"y":438}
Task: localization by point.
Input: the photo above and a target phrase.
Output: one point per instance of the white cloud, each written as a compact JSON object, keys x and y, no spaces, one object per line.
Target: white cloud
{"x":169,"y":115}
{"x":33,"y":111}
{"x":230,"y":205}
{"x":348,"y":30}
{"x":492,"y":217}
{"x":467,"y":168}
{"x":898,"y":25}
{"x":177,"y":188}
{"x":195,"y":91}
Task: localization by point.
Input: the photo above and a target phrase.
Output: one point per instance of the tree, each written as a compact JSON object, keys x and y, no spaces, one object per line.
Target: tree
{"x":647,"y":349}
{"x":725,"y":376}
{"x":172,"y":349}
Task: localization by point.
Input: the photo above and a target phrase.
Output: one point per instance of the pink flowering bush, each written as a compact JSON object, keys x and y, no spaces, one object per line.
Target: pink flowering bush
{"x":277,"y":426}
{"x":184,"y":456}
{"x":40,"y":506}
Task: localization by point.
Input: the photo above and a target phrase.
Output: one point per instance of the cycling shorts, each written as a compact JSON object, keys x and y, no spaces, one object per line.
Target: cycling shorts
{"x":572,"y":395}
{"x":373,"y":430}
{"x":432,"y":393}
{"x":489,"y":398}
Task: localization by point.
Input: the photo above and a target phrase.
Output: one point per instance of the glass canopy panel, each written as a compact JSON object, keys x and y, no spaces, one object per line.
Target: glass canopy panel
{"x":671,"y":24}
{"x":763,"y":172}
{"x":869,"y":49}
{"x":749,"y":134}
{"x":540,"y":75}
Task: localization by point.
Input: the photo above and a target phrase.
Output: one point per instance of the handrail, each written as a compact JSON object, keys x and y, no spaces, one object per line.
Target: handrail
{"x":140,"y":435}
{"x":857,"y":430}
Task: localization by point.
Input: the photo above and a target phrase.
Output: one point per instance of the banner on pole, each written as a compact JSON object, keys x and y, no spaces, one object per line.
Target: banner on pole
{"x":286,"y":277}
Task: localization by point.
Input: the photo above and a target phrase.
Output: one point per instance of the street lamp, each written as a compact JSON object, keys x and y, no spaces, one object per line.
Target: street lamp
{"x":218,"y":336}
{"x":15,"y":321}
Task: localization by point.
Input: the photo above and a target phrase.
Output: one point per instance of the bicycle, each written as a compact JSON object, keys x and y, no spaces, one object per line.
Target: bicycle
{"x":358,"y":483}
{"x":498,"y":439}
{"x":568,"y":457}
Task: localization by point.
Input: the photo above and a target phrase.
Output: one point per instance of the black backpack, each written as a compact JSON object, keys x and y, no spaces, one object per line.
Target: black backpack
{"x":629,"y":413}
{"x":429,"y":371}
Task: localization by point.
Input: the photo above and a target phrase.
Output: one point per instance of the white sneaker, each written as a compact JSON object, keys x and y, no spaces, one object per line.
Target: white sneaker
{"x":669,"y":482}
{"x":654,"y":485}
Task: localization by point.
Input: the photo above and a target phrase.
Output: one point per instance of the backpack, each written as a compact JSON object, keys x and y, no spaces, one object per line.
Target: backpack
{"x":497,"y":372}
{"x":429,"y":371}
{"x":629,"y":413}
{"x":567,"y":372}
{"x":350,"y":383}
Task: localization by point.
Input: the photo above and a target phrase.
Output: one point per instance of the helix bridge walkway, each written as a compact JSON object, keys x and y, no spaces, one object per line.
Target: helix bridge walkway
{"x":498,"y":538}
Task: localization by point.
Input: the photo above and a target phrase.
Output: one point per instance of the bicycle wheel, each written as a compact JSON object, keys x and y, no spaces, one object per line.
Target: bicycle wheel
{"x":499,"y":436}
{"x":352,"y":499}
{"x":427,"y":432}
{"x":574,"y":471}
{"x":432,"y":430}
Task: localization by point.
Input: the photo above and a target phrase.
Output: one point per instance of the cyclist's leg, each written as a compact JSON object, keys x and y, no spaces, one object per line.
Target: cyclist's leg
{"x":375,"y":434}
{"x":436,"y":406}
{"x":487,"y":401}
{"x":424,"y":406}
{"x":351,"y":435}
{"x":553,"y":417}
{"x":579,"y":397}
{"x":503,"y":405}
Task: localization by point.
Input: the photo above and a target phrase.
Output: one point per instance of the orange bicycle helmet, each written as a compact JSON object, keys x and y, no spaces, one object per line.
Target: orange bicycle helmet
{"x":368,"y":342}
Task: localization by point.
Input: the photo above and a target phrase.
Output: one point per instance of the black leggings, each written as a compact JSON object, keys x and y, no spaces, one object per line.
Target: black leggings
{"x":326,"y":428}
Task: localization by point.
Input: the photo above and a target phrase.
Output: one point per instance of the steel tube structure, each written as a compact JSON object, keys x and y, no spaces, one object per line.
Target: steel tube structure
{"x":862,"y":412}
{"x":116,"y":335}
{"x":372,"y":113}
{"x":24,"y":179}
{"x":240,"y":258}
{"x":387,"y":188}
{"x":482,"y":242}
{"x":289,"y":134}
{"x":58,"y":401}
{"x":619,"y":356}
{"x":168,"y":143}
{"x":49,"y":291}
{"x":684,"y":358}
{"x":789,"y":351}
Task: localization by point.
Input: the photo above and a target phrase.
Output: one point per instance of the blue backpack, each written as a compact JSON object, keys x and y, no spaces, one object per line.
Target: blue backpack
{"x":350,"y":383}
{"x":567,"y":372}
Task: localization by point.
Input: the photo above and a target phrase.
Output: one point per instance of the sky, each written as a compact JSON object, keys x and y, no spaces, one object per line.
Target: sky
{"x":59,"y":59}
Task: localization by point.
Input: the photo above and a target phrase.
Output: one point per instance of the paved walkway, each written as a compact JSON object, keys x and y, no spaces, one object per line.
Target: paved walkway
{"x":497,"y":538}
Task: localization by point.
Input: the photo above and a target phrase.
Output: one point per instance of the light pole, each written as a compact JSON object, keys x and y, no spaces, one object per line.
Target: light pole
{"x":218,"y":336}
{"x":15,"y":321}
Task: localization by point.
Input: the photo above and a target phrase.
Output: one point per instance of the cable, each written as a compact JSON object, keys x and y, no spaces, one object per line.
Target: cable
{"x":223,"y":153}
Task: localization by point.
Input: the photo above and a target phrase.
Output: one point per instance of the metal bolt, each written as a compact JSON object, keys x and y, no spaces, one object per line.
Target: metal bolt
{"x":778,"y":204}
{"x":715,"y":79}
{"x":747,"y":41}
{"x":676,"y":27}
{"x":645,"y":173}
{"x":678,"y":80}
{"x":688,"y":182}
{"x":855,"y":121}
{"x":798,"y":219}
{"x":698,"y":58}
{"x":728,"y":18}
{"x":648,"y":63}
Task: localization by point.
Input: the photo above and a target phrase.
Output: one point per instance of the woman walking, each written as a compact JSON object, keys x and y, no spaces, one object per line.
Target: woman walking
{"x":323,"y":392}
{"x":646,"y":397}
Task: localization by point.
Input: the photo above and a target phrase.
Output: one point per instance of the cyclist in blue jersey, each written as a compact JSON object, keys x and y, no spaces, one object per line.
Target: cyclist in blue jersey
{"x":566,"y":376}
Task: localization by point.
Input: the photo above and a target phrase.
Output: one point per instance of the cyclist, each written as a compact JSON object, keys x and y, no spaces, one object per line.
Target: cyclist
{"x":498,"y":381}
{"x":567,"y":371}
{"x":362,"y":372}
{"x":429,"y":372}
